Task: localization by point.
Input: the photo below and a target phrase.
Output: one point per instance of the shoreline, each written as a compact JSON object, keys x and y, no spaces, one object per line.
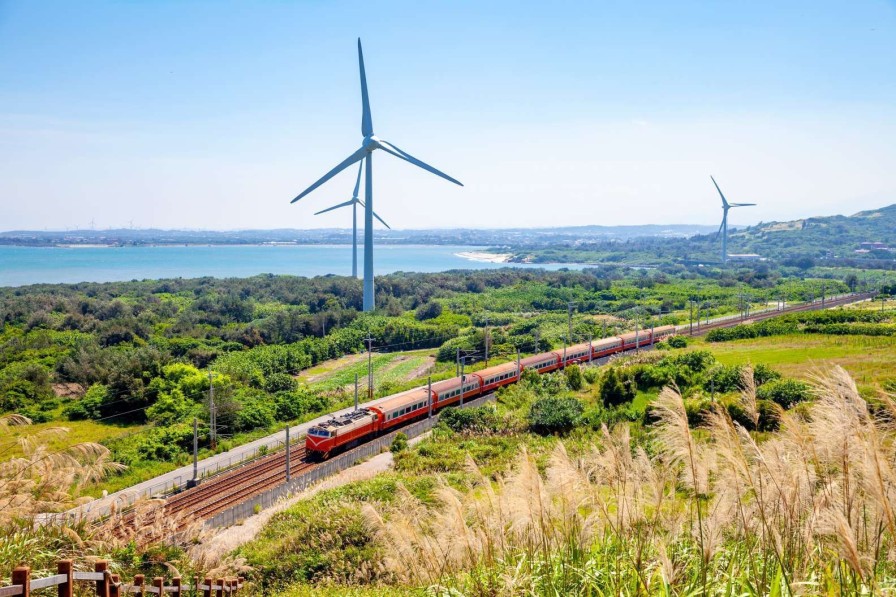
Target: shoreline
{"x":485,"y":257}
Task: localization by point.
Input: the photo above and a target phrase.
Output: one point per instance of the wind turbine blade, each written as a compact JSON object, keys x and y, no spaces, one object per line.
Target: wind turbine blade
{"x":741,"y":204}
{"x":358,"y":155}
{"x":358,"y":182}
{"x":724,"y":201}
{"x":382,"y":221}
{"x":376,"y":215}
{"x":345,"y":204}
{"x":719,"y":232}
{"x":366,"y":119}
{"x":390,"y":148}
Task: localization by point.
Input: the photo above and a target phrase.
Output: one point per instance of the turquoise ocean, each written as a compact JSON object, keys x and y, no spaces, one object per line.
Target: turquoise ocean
{"x":21,"y":266}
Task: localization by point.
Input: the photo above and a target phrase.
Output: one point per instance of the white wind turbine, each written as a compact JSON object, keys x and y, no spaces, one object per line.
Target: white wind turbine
{"x":354,"y":202}
{"x":723,"y":229}
{"x":369,"y":144}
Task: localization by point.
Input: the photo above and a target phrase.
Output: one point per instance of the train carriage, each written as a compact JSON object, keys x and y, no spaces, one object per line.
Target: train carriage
{"x":606,"y":347}
{"x":449,"y":391}
{"x":543,"y":363}
{"x":497,"y":376}
{"x":578,"y":353}
{"x":401,"y":408}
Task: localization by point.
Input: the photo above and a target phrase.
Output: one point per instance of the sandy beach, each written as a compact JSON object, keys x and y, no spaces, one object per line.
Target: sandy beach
{"x":486,"y":257}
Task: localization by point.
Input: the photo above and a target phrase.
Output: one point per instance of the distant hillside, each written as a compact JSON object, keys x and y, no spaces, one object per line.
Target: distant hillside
{"x":865,"y":235}
{"x":459,"y":236}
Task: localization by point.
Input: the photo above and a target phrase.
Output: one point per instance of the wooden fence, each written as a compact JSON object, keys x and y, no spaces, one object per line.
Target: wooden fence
{"x":110,"y":585}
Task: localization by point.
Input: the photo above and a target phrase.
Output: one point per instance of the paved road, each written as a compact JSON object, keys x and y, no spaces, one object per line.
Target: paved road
{"x":209,"y":466}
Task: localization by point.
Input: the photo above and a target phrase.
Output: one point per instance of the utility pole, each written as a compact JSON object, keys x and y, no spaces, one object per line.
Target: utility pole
{"x":356,"y":391}
{"x":287,"y":453}
{"x":569,"y":307}
{"x":212,"y":412}
{"x":590,"y":348}
{"x":457,"y":363}
{"x":822,"y":294}
{"x":369,"y":367}
{"x":486,"y":341}
{"x":692,"y":317}
{"x":518,"y":370}
{"x":462,"y":379}
{"x":429,"y":393}
{"x":195,"y":450}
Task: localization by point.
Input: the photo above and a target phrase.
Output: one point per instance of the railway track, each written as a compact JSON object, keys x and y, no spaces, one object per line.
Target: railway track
{"x":234,"y":487}
{"x":699,"y":330}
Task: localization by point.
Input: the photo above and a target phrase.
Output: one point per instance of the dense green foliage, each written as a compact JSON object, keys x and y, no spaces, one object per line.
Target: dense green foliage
{"x":832,"y":321}
{"x":555,"y":415}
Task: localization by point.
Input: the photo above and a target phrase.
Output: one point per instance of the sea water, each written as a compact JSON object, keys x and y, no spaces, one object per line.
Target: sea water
{"x":36,"y":265}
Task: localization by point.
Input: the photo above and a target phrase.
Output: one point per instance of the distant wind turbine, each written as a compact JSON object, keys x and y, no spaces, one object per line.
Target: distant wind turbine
{"x":370,"y":143}
{"x":723,"y":229}
{"x":354,"y":202}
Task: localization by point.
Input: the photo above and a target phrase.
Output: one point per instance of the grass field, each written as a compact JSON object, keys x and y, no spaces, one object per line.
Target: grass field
{"x":77,"y":432}
{"x":869,"y":359}
{"x":394,"y":367}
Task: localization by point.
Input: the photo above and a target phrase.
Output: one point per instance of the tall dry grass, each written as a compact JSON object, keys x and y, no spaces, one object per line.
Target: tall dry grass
{"x":44,"y":480}
{"x":808,"y":509}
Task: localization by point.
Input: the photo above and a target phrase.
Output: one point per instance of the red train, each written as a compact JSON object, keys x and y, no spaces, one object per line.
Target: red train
{"x":393,"y":411}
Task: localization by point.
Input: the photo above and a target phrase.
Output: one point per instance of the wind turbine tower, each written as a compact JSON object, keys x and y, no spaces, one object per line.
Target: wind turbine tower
{"x":369,"y":144}
{"x":355,"y":202}
{"x":723,"y":229}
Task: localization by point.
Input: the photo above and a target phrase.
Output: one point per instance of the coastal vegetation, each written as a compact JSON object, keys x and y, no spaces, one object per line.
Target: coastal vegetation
{"x":129,"y":365}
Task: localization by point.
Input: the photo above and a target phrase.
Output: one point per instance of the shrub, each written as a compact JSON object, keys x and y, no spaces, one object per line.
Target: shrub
{"x":256,"y":411}
{"x":722,"y":379}
{"x":481,"y":419}
{"x":574,"y":377}
{"x":279,"y":382}
{"x":784,"y":392}
{"x":762,"y":374}
{"x":555,"y":415}
{"x":613,"y":391}
{"x":399,"y":444}
{"x":677,"y":342}
{"x":88,"y":407}
{"x":429,"y":310}
{"x":591,"y":374}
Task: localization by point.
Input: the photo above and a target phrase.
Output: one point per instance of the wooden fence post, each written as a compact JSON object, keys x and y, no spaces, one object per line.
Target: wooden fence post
{"x":159,"y":583}
{"x":208,"y":583}
{"x":67,"y":588}
{"x":219,"y":592}
{"x":115,"y":586}
{"x":239,"y":582}
{"x":138,"y":584}
{"x":102,"y":586}
{"x":22,"y":576}
{"x":176,"y":582}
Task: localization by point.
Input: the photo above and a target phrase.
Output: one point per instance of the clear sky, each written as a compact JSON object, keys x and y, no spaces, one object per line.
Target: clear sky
{"x":216,"y":114}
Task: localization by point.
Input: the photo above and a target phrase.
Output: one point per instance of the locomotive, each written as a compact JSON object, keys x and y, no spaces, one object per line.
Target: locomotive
{"x":393,"y":411}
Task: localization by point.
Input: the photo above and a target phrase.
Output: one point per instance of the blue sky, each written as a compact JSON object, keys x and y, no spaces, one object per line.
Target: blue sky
{"x":216,"y":114}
